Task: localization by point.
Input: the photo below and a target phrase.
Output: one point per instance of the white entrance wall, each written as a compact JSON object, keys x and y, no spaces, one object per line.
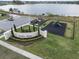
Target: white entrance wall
{"x":8,"y":34}
{"x":43,"y":33}
{"x":26,"y":35}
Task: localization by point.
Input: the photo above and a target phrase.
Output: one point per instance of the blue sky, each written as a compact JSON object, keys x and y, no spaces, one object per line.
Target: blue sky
{"x":42,"y":0}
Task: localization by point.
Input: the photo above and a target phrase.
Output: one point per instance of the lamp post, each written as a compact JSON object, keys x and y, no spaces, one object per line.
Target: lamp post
{"x":74,"y":26}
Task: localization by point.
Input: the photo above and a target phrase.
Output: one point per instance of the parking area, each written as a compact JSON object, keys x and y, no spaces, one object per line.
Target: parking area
{"x":18,"y":21}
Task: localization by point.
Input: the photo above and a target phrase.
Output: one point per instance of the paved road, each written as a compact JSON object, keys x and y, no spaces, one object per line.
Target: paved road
{"x":18,"y":21}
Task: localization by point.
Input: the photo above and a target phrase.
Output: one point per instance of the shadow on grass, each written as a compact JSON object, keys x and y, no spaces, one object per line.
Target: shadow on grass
{"x":24,"y":43}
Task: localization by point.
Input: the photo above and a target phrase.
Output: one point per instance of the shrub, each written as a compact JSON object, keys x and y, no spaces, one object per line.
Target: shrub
{"x":50,"y":14}
{"x":3,"y":14}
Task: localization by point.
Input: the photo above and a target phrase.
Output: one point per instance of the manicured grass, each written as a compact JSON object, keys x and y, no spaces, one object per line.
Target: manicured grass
{"x":2,"y":11}
{"x":8,"y":54}
{"x":1,"y":31}
{"x":54,"y":46}
{"x":3,"y":17}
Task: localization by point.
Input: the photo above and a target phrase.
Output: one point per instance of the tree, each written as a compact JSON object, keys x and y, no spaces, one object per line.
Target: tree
{"x":11,"y":10}
{"x":18,"y":2}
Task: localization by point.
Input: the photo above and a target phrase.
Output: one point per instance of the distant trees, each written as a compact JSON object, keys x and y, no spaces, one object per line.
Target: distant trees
{"x":11,"y":10}
{"x":18,"y":2}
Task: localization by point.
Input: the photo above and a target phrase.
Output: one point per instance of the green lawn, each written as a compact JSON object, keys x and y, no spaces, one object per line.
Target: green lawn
{"x":3,"y":17}
{"x":8,"y":54}
{"x":54,"y":46}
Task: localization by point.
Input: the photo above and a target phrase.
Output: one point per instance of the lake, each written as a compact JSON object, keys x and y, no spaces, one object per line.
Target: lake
{"x":36,"y":9}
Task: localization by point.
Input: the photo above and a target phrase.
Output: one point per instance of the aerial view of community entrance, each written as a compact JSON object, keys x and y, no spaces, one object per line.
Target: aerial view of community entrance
{"x":39,"y":29}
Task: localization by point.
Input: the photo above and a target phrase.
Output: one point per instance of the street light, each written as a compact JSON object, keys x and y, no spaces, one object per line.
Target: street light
{"x":74,"y":26}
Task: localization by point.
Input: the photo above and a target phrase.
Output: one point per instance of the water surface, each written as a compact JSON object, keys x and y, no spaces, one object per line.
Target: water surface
{"x":36,"y":9}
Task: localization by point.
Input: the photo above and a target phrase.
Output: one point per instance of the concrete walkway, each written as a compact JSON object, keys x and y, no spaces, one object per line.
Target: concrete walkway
{"x":18,"y":50}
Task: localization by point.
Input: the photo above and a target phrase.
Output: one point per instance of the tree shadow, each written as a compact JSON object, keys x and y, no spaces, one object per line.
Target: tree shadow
{"x":24,"y":43}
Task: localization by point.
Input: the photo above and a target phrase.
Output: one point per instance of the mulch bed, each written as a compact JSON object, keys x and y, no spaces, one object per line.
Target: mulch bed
{"x":54,"y":29}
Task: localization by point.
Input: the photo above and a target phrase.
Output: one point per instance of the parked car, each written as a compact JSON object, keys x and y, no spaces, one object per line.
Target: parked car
{"x":11,"y":19}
